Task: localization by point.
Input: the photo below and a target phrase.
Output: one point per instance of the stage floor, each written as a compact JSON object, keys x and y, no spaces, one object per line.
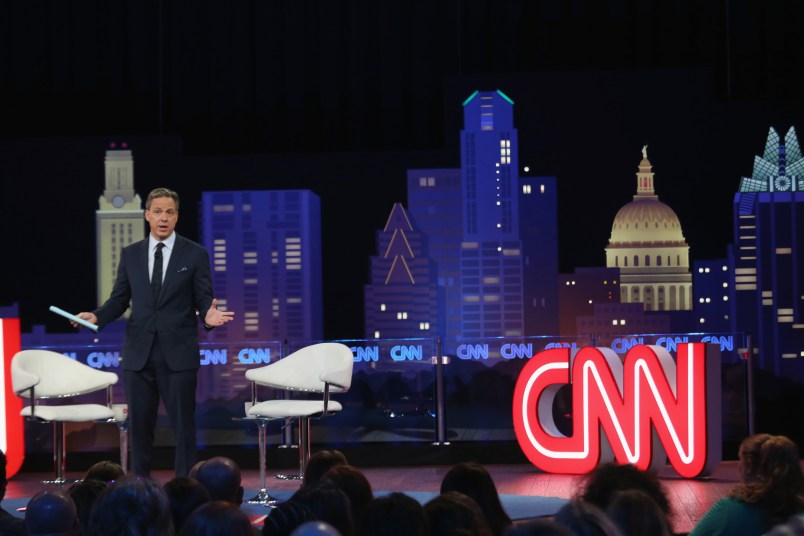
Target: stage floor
{"x":690,"y":499}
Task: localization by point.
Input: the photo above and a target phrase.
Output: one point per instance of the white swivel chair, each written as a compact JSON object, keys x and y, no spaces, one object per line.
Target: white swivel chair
{"x":318,"y":370}
{"x":38,"y":375}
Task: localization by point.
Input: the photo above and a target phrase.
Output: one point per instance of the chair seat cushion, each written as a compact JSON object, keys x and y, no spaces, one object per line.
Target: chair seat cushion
{"x":70,"y":413}
{"x":277,"y":409}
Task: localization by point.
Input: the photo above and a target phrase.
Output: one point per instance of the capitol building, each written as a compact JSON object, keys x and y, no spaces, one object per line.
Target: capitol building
{"x":648,"y":247}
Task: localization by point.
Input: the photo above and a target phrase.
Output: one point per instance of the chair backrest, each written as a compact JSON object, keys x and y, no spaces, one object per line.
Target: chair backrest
{"x":55,"y":375}
{"x":308,"y":368}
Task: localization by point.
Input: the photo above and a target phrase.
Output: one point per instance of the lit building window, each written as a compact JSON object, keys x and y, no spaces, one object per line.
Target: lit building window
{"x":382,"y":307}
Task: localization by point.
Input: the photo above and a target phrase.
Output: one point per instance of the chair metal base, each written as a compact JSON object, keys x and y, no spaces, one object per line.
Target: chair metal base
{"x":289,"y":477}
{"x":264,"y":498}
{"x":62,"y":481}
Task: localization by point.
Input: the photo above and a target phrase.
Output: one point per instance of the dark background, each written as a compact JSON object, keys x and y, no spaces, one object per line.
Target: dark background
{"x":343,"y":97}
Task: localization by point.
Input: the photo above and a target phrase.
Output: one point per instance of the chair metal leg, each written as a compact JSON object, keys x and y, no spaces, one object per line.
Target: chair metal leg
{"x":262,"y":496}
{"x":122,"y":426}
{"x":59,"y":455}
{"x":304,"y":450}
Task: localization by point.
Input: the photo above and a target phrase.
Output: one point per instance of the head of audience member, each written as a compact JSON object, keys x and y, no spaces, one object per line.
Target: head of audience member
{"x":585,"y":519}
{"x":285,"y":517}
{"x":538,"y":527}
{"x":184,"y":494}
{"x":329,"y":503}
{"x":394,"y":514}
{"x":777,"y":482}
{"x":453,"y":513}
{"x":51,"y":512}
{"x":217,"y":518}
{"x":3,"y":475}
{"x":604,"y":481}
{"x":748,"y":455}
{"x":474,"y":480}
{"x":221,"y":476}
{"x":84,"y":493}
{"x":131,"y":506}
{"x":356,"y":486}
{"x":319,"y":463}
{"x":315,"y":528}
{"x":105,"y":471}
{"x":194,"y":469}
{"x":635,"y":512}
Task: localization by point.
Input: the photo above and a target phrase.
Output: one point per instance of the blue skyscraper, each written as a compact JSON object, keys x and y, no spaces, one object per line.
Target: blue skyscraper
{"x":266,"y":262}
{"x":403,"y":298}
{"x":435,"y":208}
{"x":768,"y":257}
{"x":493,"y":282}
{"x":538,"y":230}
{"x":491,"y":251}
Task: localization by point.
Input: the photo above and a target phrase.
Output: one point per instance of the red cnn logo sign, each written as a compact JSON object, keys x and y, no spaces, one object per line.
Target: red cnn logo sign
{"x":646,"y":409}
{"x":11,"y":425}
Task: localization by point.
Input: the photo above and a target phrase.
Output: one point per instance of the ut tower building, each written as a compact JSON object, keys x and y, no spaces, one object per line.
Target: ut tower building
{"x":266,"y":262}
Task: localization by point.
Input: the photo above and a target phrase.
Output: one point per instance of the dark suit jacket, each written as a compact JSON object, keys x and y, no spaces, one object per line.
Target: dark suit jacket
{"x":186,"y":289}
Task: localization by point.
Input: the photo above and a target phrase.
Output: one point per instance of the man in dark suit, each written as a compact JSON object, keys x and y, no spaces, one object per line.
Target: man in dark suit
{"x":160,"y":355}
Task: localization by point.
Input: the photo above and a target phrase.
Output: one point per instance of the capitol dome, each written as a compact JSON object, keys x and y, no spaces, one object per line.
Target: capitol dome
{"x":646,"y":220}
{"x":649,"y":249}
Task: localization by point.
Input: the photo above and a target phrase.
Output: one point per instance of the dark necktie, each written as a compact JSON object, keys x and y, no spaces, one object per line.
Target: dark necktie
{"x":156,"y":275}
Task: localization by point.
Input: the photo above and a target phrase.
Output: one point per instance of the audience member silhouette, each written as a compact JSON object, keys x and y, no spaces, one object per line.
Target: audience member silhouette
{"x":217,"y":518}
{"x":601,"y":484}
{"x":635,"y":512}
{"x":221,"y":476}
{"x":329,"y":503}
{"x":285,"y":517}
{"x":10,"y":525}
{"x":51,"y":512}
{"x":585,"y":519}
{"x":319,"y":463}
{"x":770,"y":491}
{"x":132,"y":507}
{"x":356,"y":486}
{"x":184,"y":495}
{"x":474,"y":480}
{"x":538,"y":527}
{"x":394,"y":514}
{"x":793,"y":527}
{"x":105,"y":471}
{"x":315,"y":528}
{"x":453,"y":513}
{"x":84,"y":494}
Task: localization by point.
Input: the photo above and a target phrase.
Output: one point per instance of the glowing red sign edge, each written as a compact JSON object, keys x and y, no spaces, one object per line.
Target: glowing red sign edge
{"x":11,"y":425}
{"x":642,"y":405}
